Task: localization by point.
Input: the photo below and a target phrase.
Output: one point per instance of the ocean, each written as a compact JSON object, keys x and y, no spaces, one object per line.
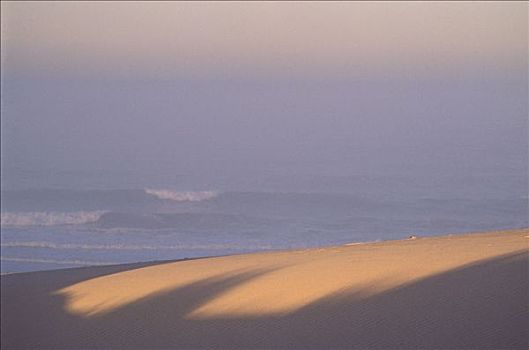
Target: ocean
{"x":51,"y":227}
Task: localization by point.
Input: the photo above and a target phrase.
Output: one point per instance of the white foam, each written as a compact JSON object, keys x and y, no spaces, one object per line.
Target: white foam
{"x":49,"y":218}
{"x":59,"y":262}
{"x":212,"y":246}
{"x":188,"y":196}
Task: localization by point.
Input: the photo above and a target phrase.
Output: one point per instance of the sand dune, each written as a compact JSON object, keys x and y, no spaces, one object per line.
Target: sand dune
{"x":452,"y":292}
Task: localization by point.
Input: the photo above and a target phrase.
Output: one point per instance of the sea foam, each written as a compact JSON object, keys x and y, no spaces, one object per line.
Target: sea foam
{"x":49,"y":218}
{"x":188,"y":196}
{"x":80,"y":246}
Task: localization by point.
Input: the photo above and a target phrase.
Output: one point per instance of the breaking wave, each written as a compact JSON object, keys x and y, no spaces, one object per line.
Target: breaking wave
{"x":131,"y":220}
{"x":187,"y":196}
{"x":49,"y":218}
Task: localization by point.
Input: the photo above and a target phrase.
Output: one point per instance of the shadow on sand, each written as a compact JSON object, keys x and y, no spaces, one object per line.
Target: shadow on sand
{"x":473,"y":307}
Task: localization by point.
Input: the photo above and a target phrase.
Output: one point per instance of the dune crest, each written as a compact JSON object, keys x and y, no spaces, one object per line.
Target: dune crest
{"x":284,"y":282}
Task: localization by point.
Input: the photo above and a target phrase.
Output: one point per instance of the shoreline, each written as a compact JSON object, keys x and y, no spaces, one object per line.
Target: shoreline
{"x":353,"y":243}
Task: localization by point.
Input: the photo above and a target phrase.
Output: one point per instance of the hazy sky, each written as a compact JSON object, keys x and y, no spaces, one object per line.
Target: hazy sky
{"x":262,"y":37}
{"x":219,"y":87}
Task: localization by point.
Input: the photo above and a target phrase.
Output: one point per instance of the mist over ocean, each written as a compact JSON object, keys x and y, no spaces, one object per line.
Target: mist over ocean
{"x":277,"y":166}
{"x":301,"y":166}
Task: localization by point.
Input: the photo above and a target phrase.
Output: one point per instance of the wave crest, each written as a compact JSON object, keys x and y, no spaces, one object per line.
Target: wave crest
{"x":49,"y":218}
{"x":188,"y":196}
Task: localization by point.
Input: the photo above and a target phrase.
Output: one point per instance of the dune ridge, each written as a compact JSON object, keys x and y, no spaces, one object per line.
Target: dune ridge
{"x":455,"y":291}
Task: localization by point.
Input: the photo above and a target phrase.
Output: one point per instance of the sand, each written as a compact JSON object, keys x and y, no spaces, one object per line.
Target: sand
{"x":466,"y":291}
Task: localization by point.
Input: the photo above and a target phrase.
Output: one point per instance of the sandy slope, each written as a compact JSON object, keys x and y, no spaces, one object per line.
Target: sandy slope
{"x":451,"y":292}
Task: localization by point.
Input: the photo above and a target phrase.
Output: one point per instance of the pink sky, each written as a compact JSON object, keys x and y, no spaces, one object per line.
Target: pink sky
{"x":263,"y":37}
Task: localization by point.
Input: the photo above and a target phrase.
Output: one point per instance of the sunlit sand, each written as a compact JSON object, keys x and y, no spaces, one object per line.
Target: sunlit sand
{"x":248,"y":296}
